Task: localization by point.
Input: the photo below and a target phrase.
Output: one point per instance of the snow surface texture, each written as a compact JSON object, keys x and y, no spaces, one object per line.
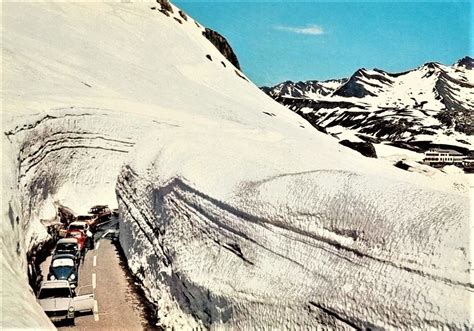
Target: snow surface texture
{"x":18,"y":307}
{"x":235,"y":212}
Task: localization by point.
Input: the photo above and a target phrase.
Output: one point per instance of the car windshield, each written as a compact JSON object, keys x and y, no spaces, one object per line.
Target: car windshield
{"x":66,"y":247}
{"x":63,"y":263}
{"x":59,"y":292}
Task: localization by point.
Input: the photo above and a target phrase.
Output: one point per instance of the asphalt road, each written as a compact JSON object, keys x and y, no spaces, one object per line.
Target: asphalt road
{"x":118,"y":306}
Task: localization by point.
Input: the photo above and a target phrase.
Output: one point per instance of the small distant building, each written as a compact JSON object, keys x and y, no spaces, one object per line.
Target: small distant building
{"x":440,"y":157}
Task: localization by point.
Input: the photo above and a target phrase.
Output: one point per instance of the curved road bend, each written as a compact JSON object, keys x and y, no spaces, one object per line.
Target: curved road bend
{"x":118,"y":306}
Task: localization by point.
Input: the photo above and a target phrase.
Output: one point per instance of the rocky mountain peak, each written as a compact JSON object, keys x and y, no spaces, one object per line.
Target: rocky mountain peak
{"x":431,"y":65}
{"x":466,"y":62}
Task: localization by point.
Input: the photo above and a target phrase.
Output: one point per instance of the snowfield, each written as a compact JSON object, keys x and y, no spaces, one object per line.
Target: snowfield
{"x":235,"y":212}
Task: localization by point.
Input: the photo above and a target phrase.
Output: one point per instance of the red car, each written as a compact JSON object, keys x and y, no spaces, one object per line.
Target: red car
{"x":80,"y":231}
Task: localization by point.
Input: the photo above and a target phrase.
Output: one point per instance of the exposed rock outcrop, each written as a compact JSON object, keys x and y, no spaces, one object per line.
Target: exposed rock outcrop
{"x":166,"y":7}
{"x":466,"y":62}
{"x":364,"y":148}
{"x":222,"y":45}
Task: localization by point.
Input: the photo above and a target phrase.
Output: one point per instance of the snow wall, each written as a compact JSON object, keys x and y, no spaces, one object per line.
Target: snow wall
{"x":290,"y":249}
{"x":235,"y":212}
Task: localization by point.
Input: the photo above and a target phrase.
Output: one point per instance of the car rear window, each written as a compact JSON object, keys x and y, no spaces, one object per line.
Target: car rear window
{"x":63,"y":263}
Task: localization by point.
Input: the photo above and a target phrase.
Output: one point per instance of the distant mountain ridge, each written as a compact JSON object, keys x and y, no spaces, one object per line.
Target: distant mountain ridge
{"x":431,"y":103}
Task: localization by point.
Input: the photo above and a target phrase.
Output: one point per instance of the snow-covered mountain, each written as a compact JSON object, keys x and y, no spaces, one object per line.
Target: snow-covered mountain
{"x":430,"y":104}
{"x":235,"y":212}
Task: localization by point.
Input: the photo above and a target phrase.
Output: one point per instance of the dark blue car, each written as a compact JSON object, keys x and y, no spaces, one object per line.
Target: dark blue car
{"x":64,"y":267}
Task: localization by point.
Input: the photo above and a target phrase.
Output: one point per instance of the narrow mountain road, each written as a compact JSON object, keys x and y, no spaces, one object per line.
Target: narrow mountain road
{"x":117,"y":306}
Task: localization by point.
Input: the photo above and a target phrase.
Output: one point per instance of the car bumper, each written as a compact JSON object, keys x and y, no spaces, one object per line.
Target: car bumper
{"x":62,"y":317}
{"x":59,"y":315}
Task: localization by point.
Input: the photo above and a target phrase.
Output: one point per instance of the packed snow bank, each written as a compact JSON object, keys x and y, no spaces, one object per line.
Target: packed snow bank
{"x":224,"y":239}
{"x":18,"y":304}
{"x":236,"y":213}
{"x":67,"y":156}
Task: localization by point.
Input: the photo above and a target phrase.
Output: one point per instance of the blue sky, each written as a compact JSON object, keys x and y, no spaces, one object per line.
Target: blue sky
{"x":278,"y":41}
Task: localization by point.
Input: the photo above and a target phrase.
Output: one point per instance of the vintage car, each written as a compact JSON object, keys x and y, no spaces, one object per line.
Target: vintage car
{"x":64,"y":267}
{"x":59,"y":301}
{"x":80,"y":231}
{"x":68,"y":246}
{"x":91,"y":220}
{"x":102,"y":212}
{"x":80,"y":225}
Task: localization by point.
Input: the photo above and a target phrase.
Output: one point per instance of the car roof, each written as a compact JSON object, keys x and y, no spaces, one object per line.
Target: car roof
{"x":78,"y":223}
{"x":54,"y":284}
{"x":63,"y":256}
{"x":67,"y":241}
{"x":74,"y":231}
{"x":100,"y":206}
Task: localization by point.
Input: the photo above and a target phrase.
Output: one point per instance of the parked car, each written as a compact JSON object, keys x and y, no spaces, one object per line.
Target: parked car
{"x":64,"y":267}
{"x":60,"y":302}
{"x":91,"y":220}
{"x":81,"y":222}
{"x":82,"y":226}
{"x":80,"y":231}
{"x":102,"y":212}
{"x":68,"y":246}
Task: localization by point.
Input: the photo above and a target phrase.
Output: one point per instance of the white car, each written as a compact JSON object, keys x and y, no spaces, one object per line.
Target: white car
{"x":60,"y":302}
